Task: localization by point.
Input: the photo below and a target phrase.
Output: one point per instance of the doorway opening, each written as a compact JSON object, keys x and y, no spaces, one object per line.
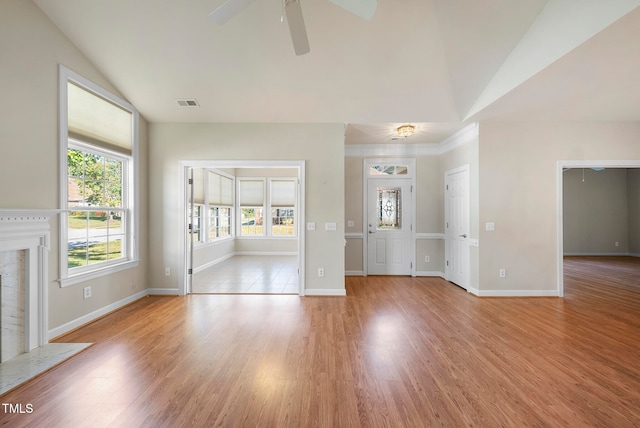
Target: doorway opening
{"x":260,"y":225}
{"x":590,"y":243}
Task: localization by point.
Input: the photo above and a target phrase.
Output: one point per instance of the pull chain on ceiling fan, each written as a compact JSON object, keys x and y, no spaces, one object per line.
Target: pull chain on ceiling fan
{"x":293,"y":10}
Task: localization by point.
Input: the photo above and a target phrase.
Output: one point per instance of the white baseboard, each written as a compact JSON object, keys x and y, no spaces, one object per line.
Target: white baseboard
{"x":212,"y":263}
{"x":354,"y":273}
{"x":162,"y":292}
{"x":85,"y":319}
{"x":265,"y":253}
{"x":634,"y":254}
{"x":597,"y":254}
{"x":430,"y":273}
{"x":325,"y":292}
{"x":514,"y":293}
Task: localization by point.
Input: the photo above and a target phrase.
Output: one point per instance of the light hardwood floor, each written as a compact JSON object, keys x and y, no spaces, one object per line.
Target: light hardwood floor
{"x":396,"y":351}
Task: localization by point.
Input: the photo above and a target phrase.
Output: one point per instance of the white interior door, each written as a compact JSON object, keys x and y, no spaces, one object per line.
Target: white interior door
{"x":457,"y":227}
{"x":389,"y":227}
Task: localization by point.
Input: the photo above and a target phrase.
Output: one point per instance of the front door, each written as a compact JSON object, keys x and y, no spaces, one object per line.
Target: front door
{"x":457,"y":227}
{"x":389,"y":226}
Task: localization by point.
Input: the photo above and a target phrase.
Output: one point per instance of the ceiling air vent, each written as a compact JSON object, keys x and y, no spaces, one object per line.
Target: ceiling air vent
{"x":187,"y":102}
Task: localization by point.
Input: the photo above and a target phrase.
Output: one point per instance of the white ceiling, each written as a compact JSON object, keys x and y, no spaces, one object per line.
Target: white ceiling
{"x":438,"y":64}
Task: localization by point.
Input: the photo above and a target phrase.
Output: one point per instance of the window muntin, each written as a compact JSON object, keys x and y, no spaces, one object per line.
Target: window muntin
{"x":220,"y":222}
{"x":97,"y":218}
{"x":283,"y":222}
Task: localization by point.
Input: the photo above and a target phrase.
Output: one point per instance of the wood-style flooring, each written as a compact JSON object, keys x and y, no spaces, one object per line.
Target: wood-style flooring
{"x":397,"y":351}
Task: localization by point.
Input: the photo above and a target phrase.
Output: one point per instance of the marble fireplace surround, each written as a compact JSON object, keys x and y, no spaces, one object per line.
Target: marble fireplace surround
{"x":28,"y":231}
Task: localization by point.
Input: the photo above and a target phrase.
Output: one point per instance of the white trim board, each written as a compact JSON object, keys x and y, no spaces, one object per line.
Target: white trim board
{"x":353,"y":273}
{"x":513,"y":293}
{"x":431,"y":273}
{"x":325,"y":292}
{"x":597,"y":254}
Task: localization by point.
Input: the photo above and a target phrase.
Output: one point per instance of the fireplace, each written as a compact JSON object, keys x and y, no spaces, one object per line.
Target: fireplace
{"x":24,"y":248}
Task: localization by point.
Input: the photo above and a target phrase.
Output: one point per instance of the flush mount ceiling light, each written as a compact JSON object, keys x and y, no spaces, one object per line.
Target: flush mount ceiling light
{"x":406,"y":130}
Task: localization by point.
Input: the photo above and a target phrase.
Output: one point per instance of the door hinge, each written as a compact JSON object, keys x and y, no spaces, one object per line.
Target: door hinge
{"x":447,"y":187}
{"x":191,"y":181}
{"x":411,"y":265}
{"x":447,"y":262}
{"x":190,"y":227}
{"x":411,"y":189}
{"x":190,"y":271}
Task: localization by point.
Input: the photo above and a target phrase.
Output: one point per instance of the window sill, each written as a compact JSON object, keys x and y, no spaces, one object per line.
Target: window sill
{"x":107,"y":270}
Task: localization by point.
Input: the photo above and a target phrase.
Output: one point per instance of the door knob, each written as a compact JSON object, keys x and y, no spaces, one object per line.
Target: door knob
{"x":463,"y":236}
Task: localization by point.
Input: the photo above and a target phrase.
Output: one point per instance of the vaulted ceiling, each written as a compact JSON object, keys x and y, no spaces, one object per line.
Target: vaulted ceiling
{"x":438,"y":64}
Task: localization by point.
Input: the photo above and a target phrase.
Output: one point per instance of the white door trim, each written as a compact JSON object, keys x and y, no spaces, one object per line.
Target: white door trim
{"x":561,"y":164}
{"x":411,"y":174}
{"x":220,"y":164}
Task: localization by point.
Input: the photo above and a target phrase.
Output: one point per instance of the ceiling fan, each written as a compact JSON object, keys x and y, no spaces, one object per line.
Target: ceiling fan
{"x":363,"y":8}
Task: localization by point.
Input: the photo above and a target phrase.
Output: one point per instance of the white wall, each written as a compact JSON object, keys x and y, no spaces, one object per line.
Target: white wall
{"x":518,"y":164}
{"x":320,"y":145}
{"x":31,"y":48}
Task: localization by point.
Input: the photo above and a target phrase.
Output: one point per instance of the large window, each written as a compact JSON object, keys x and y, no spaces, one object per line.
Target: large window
{"x":98,"y":165}
{"x":267,"y":207}
{"x":283,"y":203}
{"x":251,"y":201}
{"x":220,"y":192}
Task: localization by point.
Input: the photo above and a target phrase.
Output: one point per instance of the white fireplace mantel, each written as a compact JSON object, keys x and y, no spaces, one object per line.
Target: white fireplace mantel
{"x":29,"y":230}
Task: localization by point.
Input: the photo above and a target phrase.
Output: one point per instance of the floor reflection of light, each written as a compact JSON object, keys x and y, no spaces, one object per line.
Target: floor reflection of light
{"x":386,"y":331}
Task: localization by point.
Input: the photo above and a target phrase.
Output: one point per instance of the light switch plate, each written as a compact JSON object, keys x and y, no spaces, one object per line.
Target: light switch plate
{"x":329,"y":226}
{"x":311,"y":225}
{"x":490,"y":226}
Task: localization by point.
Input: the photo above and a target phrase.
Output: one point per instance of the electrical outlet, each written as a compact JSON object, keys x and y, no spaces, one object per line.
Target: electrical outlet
{"x":320,"y":272}
{"x":167,"y":271}
{"x":503,"y":273}
{"x":86,"y":292}
{"x":426,"y":259}
{"x":617,"y":244}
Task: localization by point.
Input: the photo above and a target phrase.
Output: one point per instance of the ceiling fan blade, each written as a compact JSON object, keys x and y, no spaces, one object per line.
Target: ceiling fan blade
{"x":296,"y":27}
{"x":363,"y":8}
{"x":228,"y":10}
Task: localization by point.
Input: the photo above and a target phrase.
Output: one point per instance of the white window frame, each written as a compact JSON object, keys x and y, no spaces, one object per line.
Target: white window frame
{"x":269,"y":214}
{"x":209,"y":206}
{"x":130,"y":184}
{"x":239,"y":208}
